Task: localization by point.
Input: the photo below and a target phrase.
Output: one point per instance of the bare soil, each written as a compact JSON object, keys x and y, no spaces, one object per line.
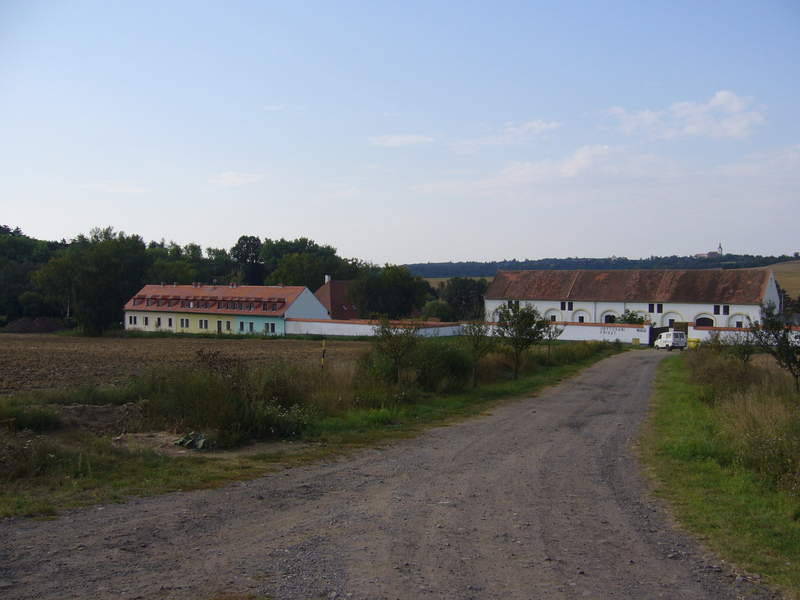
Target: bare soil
{"x":42,"y":362}
{"x":540,"y":499}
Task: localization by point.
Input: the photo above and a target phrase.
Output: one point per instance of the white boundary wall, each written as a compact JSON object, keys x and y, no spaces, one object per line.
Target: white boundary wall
{"x":609,"y":332}
{"x":627,"y":334}
{"x":360,"y":327}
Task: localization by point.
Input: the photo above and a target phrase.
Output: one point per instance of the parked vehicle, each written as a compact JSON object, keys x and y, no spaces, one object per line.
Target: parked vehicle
{"x":670,"y":340}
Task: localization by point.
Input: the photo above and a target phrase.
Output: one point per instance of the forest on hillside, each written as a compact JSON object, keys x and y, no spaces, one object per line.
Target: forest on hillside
{"x":490,"y":269}
{"x":86,"y":281}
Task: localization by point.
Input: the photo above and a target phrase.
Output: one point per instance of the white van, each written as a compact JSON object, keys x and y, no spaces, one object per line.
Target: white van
{"x":670,"y":340}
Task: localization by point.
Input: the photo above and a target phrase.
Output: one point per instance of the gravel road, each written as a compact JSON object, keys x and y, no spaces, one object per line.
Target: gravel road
{"x":540,"y":499}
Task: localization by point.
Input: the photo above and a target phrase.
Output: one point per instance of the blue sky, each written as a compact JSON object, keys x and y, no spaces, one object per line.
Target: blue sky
{"x":407,"y":132}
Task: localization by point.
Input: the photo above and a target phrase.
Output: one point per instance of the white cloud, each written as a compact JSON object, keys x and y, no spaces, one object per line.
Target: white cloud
{"x":510,"y":135}
{"x":780,"y":167}
{"x":118,"y":187}
{"x":233,"y":179}
{"x":725,"y":115}
{"x":401,"y":140}
{"x":587,"y":166}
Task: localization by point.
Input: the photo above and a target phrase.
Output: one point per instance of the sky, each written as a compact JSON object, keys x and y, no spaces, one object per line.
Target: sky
{"x":405,"y":132}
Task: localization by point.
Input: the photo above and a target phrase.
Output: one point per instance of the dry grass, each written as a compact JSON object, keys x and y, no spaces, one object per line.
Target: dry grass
{"x":787,"y":275}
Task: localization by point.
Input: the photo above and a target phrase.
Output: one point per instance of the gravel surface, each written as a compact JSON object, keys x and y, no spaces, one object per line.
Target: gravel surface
{"x":540,"y":499}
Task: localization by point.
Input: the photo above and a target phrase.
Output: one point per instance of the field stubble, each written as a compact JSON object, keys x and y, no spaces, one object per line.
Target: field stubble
{"x":48,"y":362}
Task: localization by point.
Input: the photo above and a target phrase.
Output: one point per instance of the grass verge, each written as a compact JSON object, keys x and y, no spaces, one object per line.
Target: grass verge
{"x":59,"y":472}
{"x":728,"y":507}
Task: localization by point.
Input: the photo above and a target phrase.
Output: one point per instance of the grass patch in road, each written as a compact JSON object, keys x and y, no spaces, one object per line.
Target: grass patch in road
{"x":728,"y":507}
{"x":48,"y":473}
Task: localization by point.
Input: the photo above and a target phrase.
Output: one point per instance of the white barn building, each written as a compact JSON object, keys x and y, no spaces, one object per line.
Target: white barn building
{"x":701,"y":297}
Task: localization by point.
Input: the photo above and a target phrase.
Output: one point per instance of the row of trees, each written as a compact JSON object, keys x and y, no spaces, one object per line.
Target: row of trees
{"x":488,"y":269}
{"x":88,"y":279}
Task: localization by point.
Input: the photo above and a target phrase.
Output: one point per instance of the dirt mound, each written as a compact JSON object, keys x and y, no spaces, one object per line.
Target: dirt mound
{"x":101,"y":420}
{"x":38,"y":325}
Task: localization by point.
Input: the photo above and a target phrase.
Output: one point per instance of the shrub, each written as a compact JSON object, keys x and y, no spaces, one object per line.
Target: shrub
{"x":441,"y":366}
{"x":35,"y":418}
{"x":24,"y":457}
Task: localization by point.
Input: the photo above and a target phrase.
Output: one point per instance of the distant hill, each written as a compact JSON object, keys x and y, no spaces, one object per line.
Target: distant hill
{"x":489,"y":269}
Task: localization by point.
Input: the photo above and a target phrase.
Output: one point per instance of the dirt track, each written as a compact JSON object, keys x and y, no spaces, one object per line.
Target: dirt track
{"x":540,"y":499}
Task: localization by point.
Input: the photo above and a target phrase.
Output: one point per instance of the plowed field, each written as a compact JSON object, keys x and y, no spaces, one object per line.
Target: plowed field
{"x":44,"y":361}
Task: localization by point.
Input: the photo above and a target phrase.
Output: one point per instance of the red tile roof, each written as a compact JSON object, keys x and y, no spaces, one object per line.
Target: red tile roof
{"x":163,"y":298}
{"x":702,"y":286}
{"x":333,"y":296}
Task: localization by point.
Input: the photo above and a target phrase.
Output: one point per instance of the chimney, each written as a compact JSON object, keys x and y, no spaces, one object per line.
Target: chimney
{"x":327,"y":278}
{"x":175,"y":284}
{"x":162,"y":284}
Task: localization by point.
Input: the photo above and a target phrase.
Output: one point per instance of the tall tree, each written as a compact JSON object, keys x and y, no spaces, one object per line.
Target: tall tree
{"x":56,"y":281}
{"x":20,"y":256}
{"x":272,"y":251}
{"x":392,"y":291}
{"x":111,"y":271}
{"x":310,"y":270}
{"x":465,"y":295}
{"x":247,"y":254}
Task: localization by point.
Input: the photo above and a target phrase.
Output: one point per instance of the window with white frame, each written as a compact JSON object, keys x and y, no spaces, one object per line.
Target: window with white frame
{"x":145,"y":321}
{"x":202,"y":323}
{"x":185,"y":323}
{"x":131,"y":320}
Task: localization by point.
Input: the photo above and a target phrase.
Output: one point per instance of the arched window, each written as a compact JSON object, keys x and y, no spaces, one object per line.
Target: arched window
{"x":704,"y":322}
{"x":610,"y":319}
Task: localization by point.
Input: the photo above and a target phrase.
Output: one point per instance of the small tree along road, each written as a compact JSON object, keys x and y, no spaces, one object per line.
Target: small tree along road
{"x":539,"y":499}
{"x":520,"y":327}
{"x":777,"y":337}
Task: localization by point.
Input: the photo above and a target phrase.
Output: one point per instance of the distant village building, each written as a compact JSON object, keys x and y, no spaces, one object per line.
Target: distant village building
{"x":333,"y":296}
{"x":716,"y":254}
{"x":702,"y":297}
{"x":199,"y":308}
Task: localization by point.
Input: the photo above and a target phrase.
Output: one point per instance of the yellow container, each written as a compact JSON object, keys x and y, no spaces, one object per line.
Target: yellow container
{"x":692,"y":343}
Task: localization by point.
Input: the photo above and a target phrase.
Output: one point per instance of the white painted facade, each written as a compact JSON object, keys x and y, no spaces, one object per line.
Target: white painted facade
{"x":727,"y":315}
{"x":661,"y":314}
{"x":361,"y":327}
{"x":306,"y":306}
